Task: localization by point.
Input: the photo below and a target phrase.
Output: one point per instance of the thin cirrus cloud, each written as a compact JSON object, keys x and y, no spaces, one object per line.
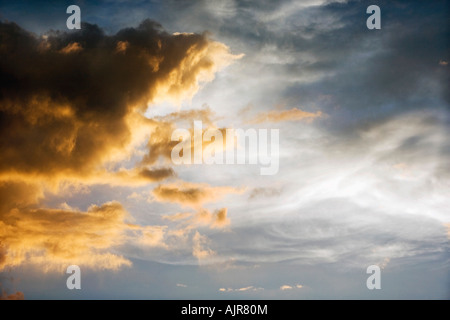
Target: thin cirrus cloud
{"x":216,"y":219}
{"x":200,"y":249}
{"x":243,"y":289}
{"x":293,"y":114}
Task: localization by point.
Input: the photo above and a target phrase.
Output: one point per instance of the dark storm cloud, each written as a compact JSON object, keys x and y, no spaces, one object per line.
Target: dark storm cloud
{"x":66,"y":99}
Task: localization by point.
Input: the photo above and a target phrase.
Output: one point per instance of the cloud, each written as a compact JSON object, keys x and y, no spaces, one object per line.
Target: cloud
{"x":353,"y":190}
{"x":51,"y":239}
{"x":177,"y":216}
{"x":160,"y":143}
{"x":17,"y":194}
{"x":243,"y":289}
{"x":80,"y":99}
{"x":181,"y":285}
{"x":70,"y":48}
{"x":135,"y":176}
{"x":13,"y":296}
{"x":218,"y":219}
{"x":191,"y":194}
{"x":288,"y":287}
{"x":156,"y":174}
{"x":71,"y":108}
{"x":285,"y":287}
{"x":153,"y":236}
{"x":293,"y":114}
{"x":2,"y":255}
{"x":200,"y":249}
{"x":264,"y":192}
{"x":54,"y":238}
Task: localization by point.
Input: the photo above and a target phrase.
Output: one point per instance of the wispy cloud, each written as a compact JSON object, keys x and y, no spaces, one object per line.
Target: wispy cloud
{"x":293,"y":114}
{"x":243,"y":289}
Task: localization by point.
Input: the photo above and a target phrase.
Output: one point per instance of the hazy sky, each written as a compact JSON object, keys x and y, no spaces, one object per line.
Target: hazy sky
{"x":86,"y":176}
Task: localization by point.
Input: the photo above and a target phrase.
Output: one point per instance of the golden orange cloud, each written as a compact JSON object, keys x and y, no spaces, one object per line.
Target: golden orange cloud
{"x":192,"y":194}
{"x":293,"y":114}
{"x":203,"y":217}
{"x":122,"y":46}
{"x":178,"y":216}
{"x":13,"y":296}
{"x":71,"y":48}
{"x":153,"y":236}
{"x":218,"y":219}
{"x":79,"y":110}
{"x":160,"y":143}
{"x":53,"y":238}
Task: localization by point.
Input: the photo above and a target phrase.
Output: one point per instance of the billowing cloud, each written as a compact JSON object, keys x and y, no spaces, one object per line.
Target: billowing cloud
{"x":68,"y":99}
{"x":72,"y":105}
{"x":53,"y":238}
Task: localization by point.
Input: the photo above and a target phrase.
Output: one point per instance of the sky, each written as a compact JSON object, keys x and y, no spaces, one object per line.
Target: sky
{"x":87,"y":177}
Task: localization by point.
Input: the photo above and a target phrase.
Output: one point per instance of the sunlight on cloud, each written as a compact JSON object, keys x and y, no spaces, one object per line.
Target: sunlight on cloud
{"x":64,"y":135}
